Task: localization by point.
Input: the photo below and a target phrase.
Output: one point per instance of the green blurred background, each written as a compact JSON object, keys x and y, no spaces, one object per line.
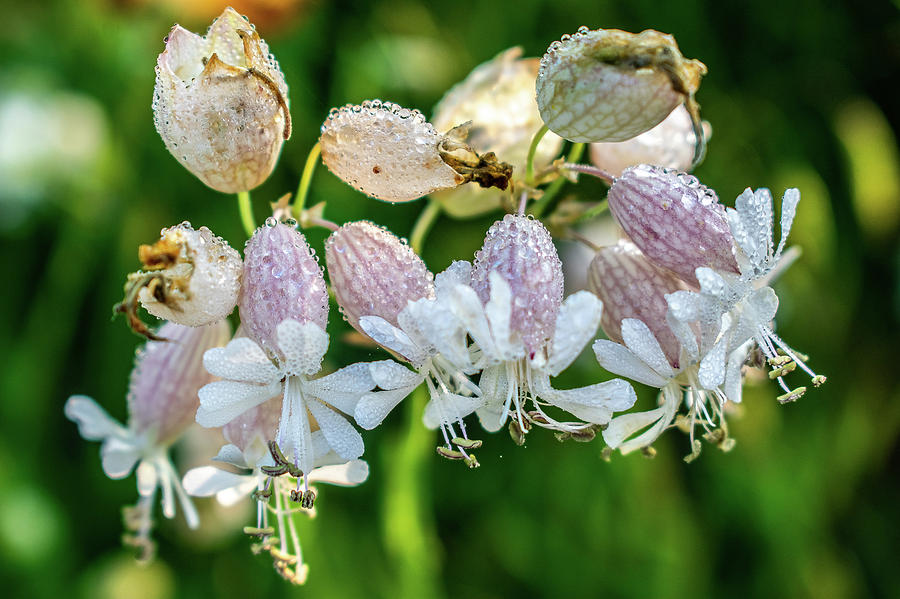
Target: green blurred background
{"x":799,"y":93}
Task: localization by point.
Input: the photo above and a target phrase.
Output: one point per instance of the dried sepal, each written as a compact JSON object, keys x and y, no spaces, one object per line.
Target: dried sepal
{"x":189,"y":277}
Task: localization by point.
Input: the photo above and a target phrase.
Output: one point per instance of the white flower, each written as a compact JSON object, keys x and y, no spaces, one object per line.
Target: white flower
{"x":123,"y":449}
{"x":642,"y":359}
{"x":734,"y":309}
{"x":433,"y":339}
{"x":252,"y":378}
{"x":512,"y":375}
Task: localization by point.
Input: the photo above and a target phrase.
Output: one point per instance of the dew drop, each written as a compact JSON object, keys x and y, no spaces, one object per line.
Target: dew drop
{"x":271,"y":221}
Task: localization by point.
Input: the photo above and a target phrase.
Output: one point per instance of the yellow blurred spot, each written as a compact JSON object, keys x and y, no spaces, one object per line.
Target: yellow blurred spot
{"x":874,"y":159}
{"x":31,"y":525}
{"x":124,"y":577}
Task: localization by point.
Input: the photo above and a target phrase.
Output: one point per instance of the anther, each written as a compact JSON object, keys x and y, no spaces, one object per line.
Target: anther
{"x":466,"y":443}
{"x":791,"y":395}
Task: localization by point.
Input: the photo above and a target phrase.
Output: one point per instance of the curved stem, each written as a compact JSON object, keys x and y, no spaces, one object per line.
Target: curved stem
{"x":529,"y":163}
{"x":305,"y":179}
{"x":423,"y":225}
{"x":589,"y":169}
{"x":246,"y":211}
{"x":539,"y":206}
{"x":601,"y":208}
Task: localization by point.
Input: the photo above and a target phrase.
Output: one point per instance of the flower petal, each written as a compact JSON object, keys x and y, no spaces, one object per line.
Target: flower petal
{"x":447,"y":408}
{"x":496,"y":387}
{"x":223,"y":401}
{"x":304,"y":345}
{"x":712,"y":366}
{"x":118,"y":457}
{"x":390,"y":337}
{"x":498,"y":312}
{"x":93,"y":422}
{"x":788,"y":210}
{"x":469,"y":310}
{"x":432,"y":323}
{"x":640,"y":340}
{"x":342,"y":437}
{"x":576,"y":324}
{"x":374,"y":407}
{"x":620,"y":360}
{"x":241,"y":360}
{"x":207,"y":481}
{"x":231,"y":454}
{"x":342,"y":388}
{"x":733,"y":375}
{"x":458,"y":273}
{"x":346,"y":475}
{"x":593,"y":403}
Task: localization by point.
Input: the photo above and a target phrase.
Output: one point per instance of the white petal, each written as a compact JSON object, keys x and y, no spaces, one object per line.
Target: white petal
{"x":231,"y":454}
{"x":294,"y":436}
{"x":732,"y":387}
{"x":788,"y":210}
{"x":469,"y":310}
{"x":498,"y":312}
{"x":223,"y":401}
{"x":207,"y":481}
{"x":387,"y":374}
{"x":343,"y":388}
{"x":712,"y":366}
{"x":665,"y":415}
{"x":346,"y":475}
{"x":303,"y":346}
{"x":686,"y":337}
{"x":576,"y":324}
{"x":620,"y":360}
{"x":439,"y":328}
{"x":390,"y":337}
{"x":241,"y":360}
{"x":594,"y":403}
{"x":622,"y":427}
{"x":93,"y":422}
{"x":374,"y":407}
{"x":495,"y":386}
{"x":118,"y":457}
{"x":640,"y":340}
{"x":342,"y":437}
{"x":458,"y":273}
{"x":234,"y":495}
{"x":449,"y":408}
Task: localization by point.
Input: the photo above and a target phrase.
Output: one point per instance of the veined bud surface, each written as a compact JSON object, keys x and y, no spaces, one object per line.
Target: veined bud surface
{"x":162,"y":394}
{"x":521,"y":250}
{"x":670,"y":144}
{"x":498,"y":98}
{"x":190,"y":277}
{"x":610,"y":85}
{"x":282,"y":280}
{"x":676,"y":221}
{"x":630,"y":286}
{"x":220,"y":103}
{"x":385,"y":151}
{"x":373,"y":273}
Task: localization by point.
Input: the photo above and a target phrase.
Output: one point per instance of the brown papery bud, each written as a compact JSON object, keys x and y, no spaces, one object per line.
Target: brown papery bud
{"x":220,"y":103}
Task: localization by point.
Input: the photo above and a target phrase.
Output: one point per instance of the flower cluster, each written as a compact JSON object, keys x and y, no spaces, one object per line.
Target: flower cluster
{"x":683,"y":297}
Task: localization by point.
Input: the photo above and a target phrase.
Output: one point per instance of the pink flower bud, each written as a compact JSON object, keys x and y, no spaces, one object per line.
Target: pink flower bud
{"x":162,"y":395}
{"x":610,"y":85}
{"x":373,"y":273}
{"x":677,"y":222}
{"x":630,"y":286}
{"x":282,"y":280}
{"x":220,"y":103}
{"x":521,"y":251}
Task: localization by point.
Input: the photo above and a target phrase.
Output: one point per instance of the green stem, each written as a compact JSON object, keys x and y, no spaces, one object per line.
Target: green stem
{"x":408,"y":525}
{"x":305,"y":179}
{"x":537,"y":209}
{"x":594,"y":212}
{"x":246,"y":211}
{"x":529,"y":163}
{"x":423,"y":225}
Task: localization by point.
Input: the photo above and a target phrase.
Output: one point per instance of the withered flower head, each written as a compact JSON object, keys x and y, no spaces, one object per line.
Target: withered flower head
{"x":220,"y":103}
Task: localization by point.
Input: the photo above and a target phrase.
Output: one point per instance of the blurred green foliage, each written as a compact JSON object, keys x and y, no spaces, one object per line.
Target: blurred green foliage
{"x":798,"y":94}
